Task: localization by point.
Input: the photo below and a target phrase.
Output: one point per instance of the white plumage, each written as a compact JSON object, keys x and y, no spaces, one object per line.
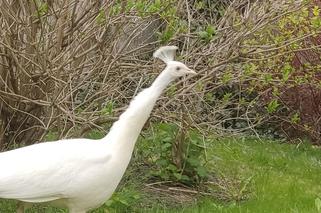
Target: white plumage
{"x":81,"y":174}
{"x":166,"y":53}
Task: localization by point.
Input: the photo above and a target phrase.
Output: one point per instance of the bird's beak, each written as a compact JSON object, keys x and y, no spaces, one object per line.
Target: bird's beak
{"x":191,"y":72}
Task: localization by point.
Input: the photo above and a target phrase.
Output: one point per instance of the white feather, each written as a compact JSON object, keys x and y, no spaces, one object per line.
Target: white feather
{"x":57,"y":170}
{"x":166,"y":53}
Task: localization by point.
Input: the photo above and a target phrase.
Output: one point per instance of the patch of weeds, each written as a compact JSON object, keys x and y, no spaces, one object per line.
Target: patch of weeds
{"x":123,"y":201}
{"x":158,"y":150}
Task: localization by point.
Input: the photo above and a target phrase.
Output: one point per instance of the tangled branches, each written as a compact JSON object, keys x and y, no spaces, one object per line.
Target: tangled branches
{"x":62,"y":61}
{"x":69,"y":66}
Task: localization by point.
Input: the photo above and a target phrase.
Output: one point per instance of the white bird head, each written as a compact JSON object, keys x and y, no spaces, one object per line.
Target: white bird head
{"x":174,"y":68}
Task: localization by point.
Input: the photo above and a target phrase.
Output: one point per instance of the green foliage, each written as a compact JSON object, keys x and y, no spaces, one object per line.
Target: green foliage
{"x":282,"y":70}
{"x":227,"y":77}
{"x":295,"y":119}
{"x":286,"y":71}
{"x":108,"y":109}
{"x":144,"y":8}
{"x":227,"y":97}
{"x":123,"y":200}
{"x":115,"y":9}
{"x":208,"y":33}
{"x":284,"y":178}
{"x":249,"y":69}
{"x":196,"y":158}
{"x":160,"y":154}
{"x":42,"y":9}
{"x":95,"y":134}
{"x":171,"y":91}
{"x":209,"y":97}
{"x":272,"y":106}
{"x":174,"y":25}
{"x":199,"y":5}
{"x":101,"y":17}
{"x":51,"y":136}
{"x":316,"y":20}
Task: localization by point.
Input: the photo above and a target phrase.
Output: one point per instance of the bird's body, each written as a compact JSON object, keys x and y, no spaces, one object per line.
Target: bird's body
{"x":35,"y":176}
{"x":81,"y":174}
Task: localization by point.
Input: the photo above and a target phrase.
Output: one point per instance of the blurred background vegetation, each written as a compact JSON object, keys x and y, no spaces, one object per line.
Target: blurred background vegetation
{"x":69,"y":68}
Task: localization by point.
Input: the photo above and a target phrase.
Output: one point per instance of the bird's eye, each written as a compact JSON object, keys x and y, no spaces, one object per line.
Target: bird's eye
{"x":178,"y":68}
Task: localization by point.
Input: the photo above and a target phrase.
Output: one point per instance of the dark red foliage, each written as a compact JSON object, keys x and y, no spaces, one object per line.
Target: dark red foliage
{"x":305,"y":99}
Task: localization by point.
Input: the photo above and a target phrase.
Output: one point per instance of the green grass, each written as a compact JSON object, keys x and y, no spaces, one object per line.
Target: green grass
{"x":248,"y":176}
{"x":284,"y":178}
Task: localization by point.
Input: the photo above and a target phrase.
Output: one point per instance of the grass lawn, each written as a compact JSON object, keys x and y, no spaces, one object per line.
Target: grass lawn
{"x":249,"y":176}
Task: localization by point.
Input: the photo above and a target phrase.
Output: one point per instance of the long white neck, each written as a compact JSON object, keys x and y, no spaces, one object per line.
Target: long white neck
{"x":125,"y":131}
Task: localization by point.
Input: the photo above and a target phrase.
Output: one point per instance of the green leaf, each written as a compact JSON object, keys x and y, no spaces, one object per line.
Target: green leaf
{"x":272,"y":106}
{"x":199,"y":5}
{"x":185,"y":178}
{"x":201,"y":171}
{"x":268,"y":78}
{"x":211,"y":30}
{"x":162,"y":162}
{"x":203,"y":35}
{"x":108,"y":109}
{"x":305,"y":12}
{"x":209,"y":97}
{"x":286,"y":71}
{"x":207,"y":34}
{"x":166,"y":146}
{"x":316,"y":10}
{"x":130,"y":4}
{"x":43,"y":9}
{"x":167,"y":139}
{"x":115,"y":10}
{"x":227,"y":97}
{"x":275,"y":92}
{"x":178,"y":176}
{"x":227,"y":77}
{"x":193,"y":161}
{"x":295,"y":118}
{"x":171,"y":91}
{"x":249,"y":69}
{"x":316,"y":22}
{"x":171,"y":167}
{"x":101,"y":17}
{"x":124,"y":202}
{"x":167,"y":35}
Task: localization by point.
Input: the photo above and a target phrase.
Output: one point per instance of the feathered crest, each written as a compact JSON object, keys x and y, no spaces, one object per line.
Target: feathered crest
{"x":166,"y":53}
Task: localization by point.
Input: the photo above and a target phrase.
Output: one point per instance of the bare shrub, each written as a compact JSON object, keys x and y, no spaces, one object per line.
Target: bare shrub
{"x":69,"y":66}
{"x":62,"y":62}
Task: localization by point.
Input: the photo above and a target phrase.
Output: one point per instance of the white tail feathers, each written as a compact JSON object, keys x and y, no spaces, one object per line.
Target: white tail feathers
{"x":166,"y":53}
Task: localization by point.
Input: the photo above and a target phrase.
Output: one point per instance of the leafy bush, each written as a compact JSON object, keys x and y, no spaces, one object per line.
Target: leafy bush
{"x":156,"y":148}
{"x":123,"y":200}
{"x":287,"y":78}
